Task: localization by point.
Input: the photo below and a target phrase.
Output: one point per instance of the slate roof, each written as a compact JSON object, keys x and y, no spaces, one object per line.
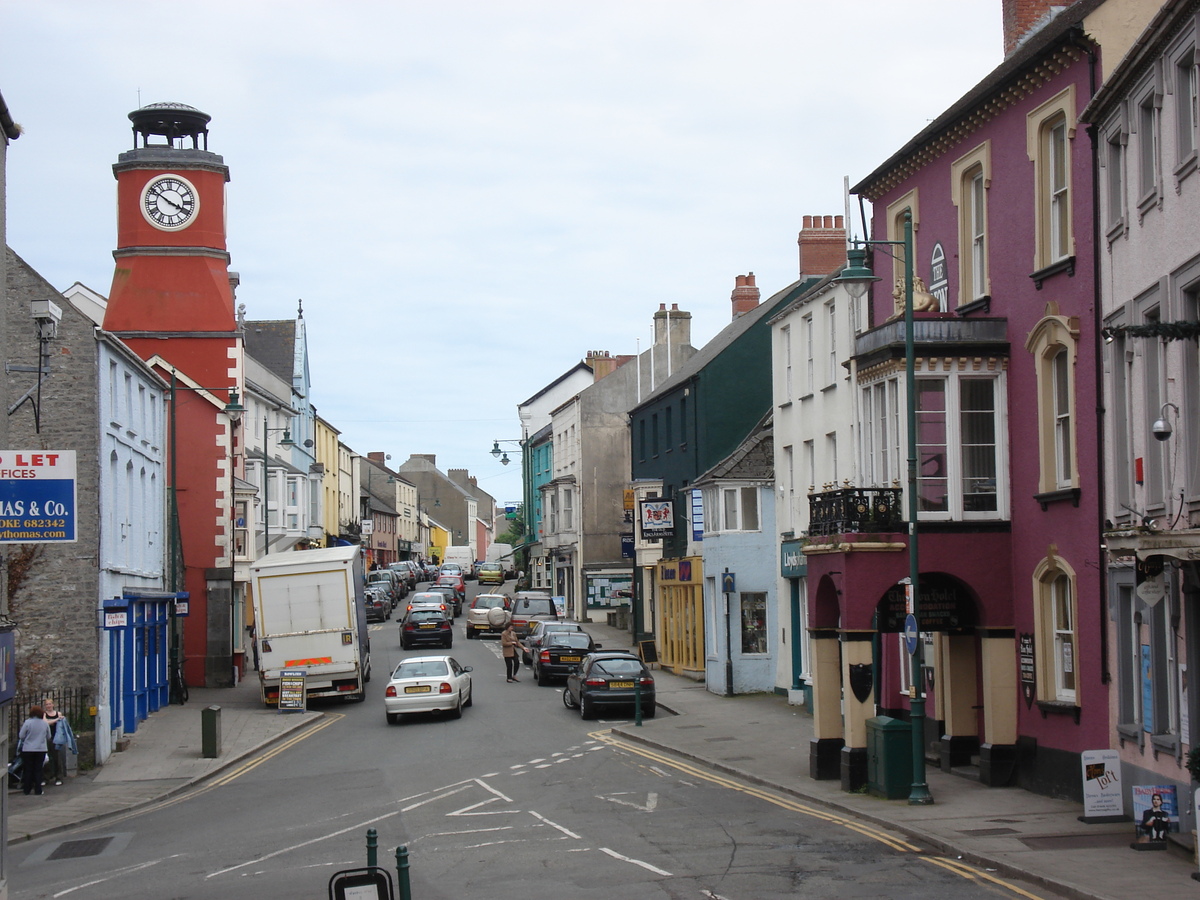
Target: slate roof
{"x":753,"y":460}
{"x":273,"y":343}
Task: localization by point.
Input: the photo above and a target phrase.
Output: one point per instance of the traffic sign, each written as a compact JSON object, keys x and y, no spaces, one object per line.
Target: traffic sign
{"x":910,"y":633}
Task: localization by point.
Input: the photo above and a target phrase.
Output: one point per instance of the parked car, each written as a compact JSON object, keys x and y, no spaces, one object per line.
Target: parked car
{"x":609,"y":679}
{"x":428,"y":684}
{"x":407,"y":573}
{"x":390,"y":582}
{"x":561,"y":653}
{"x":453,"y":598}
{"x":377,"y":605}
{"x":487,"y":614}
{"x":538,"y":633}
{"x":491,"y":573}
{"x":426,"y":626}
{"x":532,"y":606}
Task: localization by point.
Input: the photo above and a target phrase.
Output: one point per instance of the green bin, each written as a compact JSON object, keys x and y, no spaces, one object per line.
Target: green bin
{"x":889,"y":757}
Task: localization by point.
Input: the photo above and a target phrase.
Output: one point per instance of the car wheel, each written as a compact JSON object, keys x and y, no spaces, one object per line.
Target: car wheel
{"x":568,"y":700}
{"x":541,"y":678}
{"x":648,"y":710}
{"x":585,"y":708}
{"x":470,"y":634}
{"x":393,"y":718}
{"x":456,"y":713}
{"x":404,"y":645}
{"x":449,"y":643}
{"x":470,"y":697}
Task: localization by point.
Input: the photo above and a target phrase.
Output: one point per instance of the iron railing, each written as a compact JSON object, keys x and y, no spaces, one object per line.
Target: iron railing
{"x":74,"y":703}
{"x":850,"y":510}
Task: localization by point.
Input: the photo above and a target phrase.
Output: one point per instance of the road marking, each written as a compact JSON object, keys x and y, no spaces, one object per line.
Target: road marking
{"x":124,"y":871}
{"x":649,"y":806}
{"x":637,"y":862}
{"x":897,"y":844}
{"x":571,"y":834}
{"x":325,"y":722}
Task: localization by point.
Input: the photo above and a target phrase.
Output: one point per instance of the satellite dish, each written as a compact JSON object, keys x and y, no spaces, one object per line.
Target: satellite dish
{"x":497,"y":616}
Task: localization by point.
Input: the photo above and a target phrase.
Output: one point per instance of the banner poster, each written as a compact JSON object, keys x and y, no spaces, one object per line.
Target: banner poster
{"x":1155,"y":813}
{"x":1101,"y":784}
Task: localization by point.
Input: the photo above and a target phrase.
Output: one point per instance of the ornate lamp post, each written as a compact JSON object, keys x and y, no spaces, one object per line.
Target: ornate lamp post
{"x":857,"y":277}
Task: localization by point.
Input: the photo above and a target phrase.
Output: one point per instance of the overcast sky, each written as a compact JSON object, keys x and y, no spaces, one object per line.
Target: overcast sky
{"x":470,"y":196}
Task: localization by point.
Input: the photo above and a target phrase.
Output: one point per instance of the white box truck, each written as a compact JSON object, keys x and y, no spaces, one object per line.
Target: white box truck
{"x":309,"y":614}
{"x":464,"y":557}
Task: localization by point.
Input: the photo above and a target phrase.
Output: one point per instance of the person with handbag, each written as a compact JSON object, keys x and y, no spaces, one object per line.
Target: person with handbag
{"x":33,"y":740}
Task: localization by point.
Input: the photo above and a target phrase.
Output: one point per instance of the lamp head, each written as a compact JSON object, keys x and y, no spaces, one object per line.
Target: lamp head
{"x":234,"y":408}
{"x":287,"y":439}
{"x":856,"y":276}
{"x":504,"y":460}
{"x":496,"y":449}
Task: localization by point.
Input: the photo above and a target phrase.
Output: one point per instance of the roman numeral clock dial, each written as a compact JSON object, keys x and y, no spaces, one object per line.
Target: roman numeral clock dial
{"x":170,"y":202}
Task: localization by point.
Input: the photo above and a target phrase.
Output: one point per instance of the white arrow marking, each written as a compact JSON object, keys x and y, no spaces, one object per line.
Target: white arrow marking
{"x":650,"y":805}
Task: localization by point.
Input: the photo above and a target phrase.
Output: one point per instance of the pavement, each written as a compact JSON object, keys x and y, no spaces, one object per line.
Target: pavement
{"x":1007,"y":832}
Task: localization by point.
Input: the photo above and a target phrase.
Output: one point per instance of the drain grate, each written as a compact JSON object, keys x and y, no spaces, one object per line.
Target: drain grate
{"x":81,"y":849}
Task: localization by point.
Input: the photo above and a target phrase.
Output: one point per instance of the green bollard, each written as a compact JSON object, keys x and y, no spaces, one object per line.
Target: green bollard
{"x":402,"y":872}
{"x":372,"y":848}
{"x":637,"y":701}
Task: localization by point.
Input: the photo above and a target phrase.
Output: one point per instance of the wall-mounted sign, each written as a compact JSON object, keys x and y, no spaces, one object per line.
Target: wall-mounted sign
{"x":792,"y":561}
{"x":657,"y":518}
{"x":1150,"y":579}
{"x":697,"y":516}
{"x":939,"y":280}
{"x":942,"y":605}
{"x":116,"y":618}
{"x":1027,"y":668}
{"x":37,"y":496}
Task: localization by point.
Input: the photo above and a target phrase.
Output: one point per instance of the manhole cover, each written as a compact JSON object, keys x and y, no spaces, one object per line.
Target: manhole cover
{"x":80,"y":849}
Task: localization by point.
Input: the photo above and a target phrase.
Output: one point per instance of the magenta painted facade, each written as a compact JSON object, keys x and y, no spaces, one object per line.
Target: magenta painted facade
{"x":1008,"y":455}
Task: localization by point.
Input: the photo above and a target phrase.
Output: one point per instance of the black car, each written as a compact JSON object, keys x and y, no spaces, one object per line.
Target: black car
{"x":609,"y":679}
{"x":560,"y":653}
{"x":530,"y":607}
{"x":451,"y":593}
{"x":426,"y":626}
{"x":538,"y":632}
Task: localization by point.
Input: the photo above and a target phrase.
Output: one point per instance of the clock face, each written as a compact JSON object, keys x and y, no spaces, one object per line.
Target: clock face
{"x":170,"y":202}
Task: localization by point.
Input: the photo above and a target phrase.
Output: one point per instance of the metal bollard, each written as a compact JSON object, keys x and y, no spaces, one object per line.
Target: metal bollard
{"x":372,"y":848}
{"x":402,"y":872}
{"x":210,"y":731}
{"x":637,"y":701}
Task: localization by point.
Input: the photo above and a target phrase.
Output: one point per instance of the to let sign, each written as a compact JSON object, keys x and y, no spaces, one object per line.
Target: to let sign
{"x":37,"y":496}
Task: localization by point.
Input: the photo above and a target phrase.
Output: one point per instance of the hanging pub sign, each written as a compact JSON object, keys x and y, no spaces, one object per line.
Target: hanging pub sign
{"x":939,"y":277}
{"x":1149,"y":579}
{"x":657,"y":518}
{"x":1027,"y":668}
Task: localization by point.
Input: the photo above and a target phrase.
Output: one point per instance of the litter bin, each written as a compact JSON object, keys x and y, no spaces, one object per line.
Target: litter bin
{"x":889,"y":757}
{"x":210,"y":731}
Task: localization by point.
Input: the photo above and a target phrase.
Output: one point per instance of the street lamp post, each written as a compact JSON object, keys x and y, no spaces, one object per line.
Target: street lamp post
{"x":857,"y":277}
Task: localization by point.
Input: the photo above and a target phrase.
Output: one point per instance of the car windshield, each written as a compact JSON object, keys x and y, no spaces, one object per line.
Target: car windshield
{"x":486,"y":601}
{"x":617,"y":668}
{"x":428,"y":597}
{"x":450,"y":580}
{"x":568,"y":639}
{"x":421,"y":668}
{"x":380,"y":576}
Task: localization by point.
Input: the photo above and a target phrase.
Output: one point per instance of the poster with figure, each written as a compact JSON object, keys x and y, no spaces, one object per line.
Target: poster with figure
{"x":1155,"y":812}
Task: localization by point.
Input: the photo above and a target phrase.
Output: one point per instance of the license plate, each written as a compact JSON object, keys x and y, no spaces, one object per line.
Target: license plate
{"x":418,"y":689}
{"x":569,"y":658}
{"x":429,"y":626}
{"x":620,"y":684}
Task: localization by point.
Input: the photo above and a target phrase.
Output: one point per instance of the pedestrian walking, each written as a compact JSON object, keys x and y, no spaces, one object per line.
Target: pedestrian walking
{"x":58,"y":752}
{"x":509,"y":645}
{"x":34,"y":742}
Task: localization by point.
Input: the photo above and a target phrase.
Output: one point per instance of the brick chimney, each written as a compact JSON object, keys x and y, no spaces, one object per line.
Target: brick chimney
{"x":602,"y":363}
{"x":745,"y":295}
{"x":1021,"y":18}
{"x":822,"y":245}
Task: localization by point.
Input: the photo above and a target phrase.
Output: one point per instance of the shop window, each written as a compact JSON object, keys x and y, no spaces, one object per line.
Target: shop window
{"x":754,"y":623}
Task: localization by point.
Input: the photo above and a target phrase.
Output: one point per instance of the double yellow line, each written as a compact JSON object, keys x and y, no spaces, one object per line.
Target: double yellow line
{"x":898,"y":844}
{"x":326,"y":721}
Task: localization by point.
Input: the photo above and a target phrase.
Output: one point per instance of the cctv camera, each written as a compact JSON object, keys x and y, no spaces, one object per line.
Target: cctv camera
{"x":1161,"y":429}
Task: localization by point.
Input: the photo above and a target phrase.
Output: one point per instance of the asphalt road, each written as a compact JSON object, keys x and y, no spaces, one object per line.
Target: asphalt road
{"x":518,"y":799}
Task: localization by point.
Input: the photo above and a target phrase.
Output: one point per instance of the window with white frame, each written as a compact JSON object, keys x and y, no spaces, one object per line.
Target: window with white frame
{"x":1054,"y":345}
{"x":1186,"y":109}
{"x":809,"y":363}
{"x":831,"y":449}
{"x":880,"y":430}
{"x":1056,"y":650}
{"x":785,"y":335}
{"x":971,"y":176}
{"x":731,"y":509}
{"x":1050,"y":129}
{"x":810,"y":464}
{"x":568,"y":509}
{"x":1148,"y":146}
{"x":1114,"y":179}
{"x":961,"y":471}
{"x":831,"y":326}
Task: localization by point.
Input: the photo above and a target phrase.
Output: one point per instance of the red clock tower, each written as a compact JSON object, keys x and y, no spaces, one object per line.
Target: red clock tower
{"x":172,"y":302}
